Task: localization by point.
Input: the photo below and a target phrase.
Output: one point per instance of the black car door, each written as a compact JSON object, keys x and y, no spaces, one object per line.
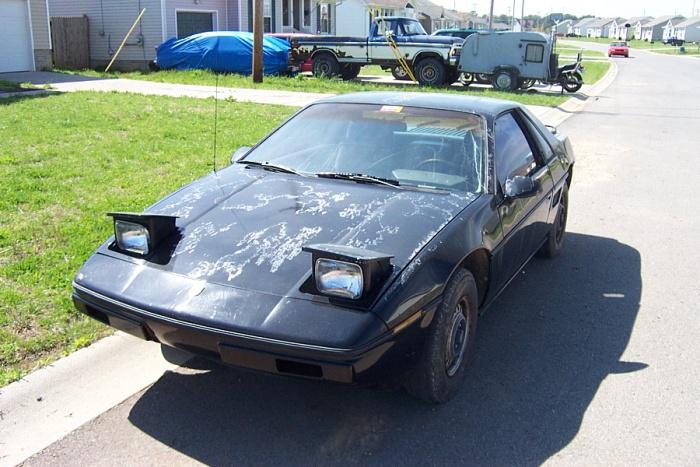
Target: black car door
{"x":523,"y":220}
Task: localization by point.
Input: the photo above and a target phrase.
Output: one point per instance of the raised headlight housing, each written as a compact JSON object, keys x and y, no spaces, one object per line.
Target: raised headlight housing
{"x":346,"y":273}
{"x":139,"y":234}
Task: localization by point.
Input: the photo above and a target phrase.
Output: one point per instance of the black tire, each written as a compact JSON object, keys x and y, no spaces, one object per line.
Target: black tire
{"x":430,"y":72}
{"x":325,"y":65}
{"x":399,"y":73}
{"x":440,"y":371}
{"x":466,"y":79}
{"x":350,"y":71}
{"x":505,"y":80}
{"x":572,"y":82}
{"x":526,"y":83}
{"x":555,"y":238}
{"x":483,"y":78}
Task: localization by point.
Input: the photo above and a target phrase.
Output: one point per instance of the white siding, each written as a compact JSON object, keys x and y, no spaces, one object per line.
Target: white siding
{"x":40,"y":24}
{"x":106,"y":34}
{"x":243,"y":5}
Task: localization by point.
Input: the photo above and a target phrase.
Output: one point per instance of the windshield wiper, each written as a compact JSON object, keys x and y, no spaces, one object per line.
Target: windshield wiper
{"x":361,"y":178}
{"x":270,"y":167}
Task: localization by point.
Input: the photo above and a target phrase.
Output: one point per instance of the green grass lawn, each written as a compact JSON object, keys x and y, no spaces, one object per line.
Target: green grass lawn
{"x":572,"y":51}
{"x":593,"y":71}
{"x":65,"y":160}
{"x":311,"y":84}
{"x":11,"y":86}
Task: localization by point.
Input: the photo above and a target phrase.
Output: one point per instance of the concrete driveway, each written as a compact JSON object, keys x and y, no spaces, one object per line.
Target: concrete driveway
{"x":589,"y":359}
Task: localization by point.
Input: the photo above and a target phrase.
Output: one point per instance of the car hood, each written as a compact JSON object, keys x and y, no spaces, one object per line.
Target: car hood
{"x":245,"y":227}
{"x":428,"y":39}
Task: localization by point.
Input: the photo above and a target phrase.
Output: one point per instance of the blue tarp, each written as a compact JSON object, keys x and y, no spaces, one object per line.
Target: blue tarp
{"x":222,"y":51}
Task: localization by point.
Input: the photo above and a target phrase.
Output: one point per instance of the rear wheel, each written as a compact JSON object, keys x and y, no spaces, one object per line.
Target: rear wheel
{"x":325,"y":65}
{"x":350,"y":71}
{"x":399,"y":73}
{"x":505,"y":80}
{"x":449,"y":344}
{"x":572,"y":82}
{"x":430,"y":72}
{"x":527,"y":83}
{"x":466,"y":79}
{"x":483,"y":78}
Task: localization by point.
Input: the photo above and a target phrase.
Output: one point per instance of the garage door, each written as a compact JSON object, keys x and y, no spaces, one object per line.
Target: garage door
{"x":15,"y":37}
{"x":190,"y":22}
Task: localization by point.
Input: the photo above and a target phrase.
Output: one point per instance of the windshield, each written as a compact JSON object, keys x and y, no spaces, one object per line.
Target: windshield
{"x":412,"y":146}
{"x":412,"y":28}
{"x":619,"y":44}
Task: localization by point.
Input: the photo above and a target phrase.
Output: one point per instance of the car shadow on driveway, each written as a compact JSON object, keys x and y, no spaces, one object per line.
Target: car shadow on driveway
{"x":542,"y":352}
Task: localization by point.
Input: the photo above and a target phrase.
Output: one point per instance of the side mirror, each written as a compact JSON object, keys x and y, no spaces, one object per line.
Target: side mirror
{"x":239,"y":153}
{"x":521,"y":187}
{"x":552,"y":129}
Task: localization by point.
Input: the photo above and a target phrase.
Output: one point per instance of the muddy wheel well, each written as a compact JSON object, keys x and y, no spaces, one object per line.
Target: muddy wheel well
{"x":423,"y":55}
{"x":478,"y":262}
{"x":323,"y":52}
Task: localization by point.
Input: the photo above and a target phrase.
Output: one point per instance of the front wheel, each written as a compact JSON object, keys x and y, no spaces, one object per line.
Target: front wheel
{"x":430,"y":72}
{"x":555,"y":238}
{"x":572,"y":82}
{"x":449,"y":344}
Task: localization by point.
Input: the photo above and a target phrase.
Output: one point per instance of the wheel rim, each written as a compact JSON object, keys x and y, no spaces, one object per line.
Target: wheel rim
{"x":504,"y":81}
{"x":324,"y":68}
{"x":561,"y":223}
{"x":428,"y":73}
{"x":457,"y":339}
{"x":400,"y":72}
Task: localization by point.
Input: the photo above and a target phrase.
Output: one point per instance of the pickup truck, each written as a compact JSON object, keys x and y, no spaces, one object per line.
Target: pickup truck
{"x":433,"y":59}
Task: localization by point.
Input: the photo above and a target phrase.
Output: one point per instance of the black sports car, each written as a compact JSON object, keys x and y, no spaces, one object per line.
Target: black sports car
{"x":359,"y":241}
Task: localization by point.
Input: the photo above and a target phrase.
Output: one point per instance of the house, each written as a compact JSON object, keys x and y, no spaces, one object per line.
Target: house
{"x":25,"y":39}
{"x":653,"y":30}
{"x":600,"y":27}
{"x":616,"y":28}
{"x":581,"y":27}
{"x":689,"y":30}
{"x":562,"y":28}
{"x":669,"y":31}
{"x":639,"y":25}
{"x":627,"y":29}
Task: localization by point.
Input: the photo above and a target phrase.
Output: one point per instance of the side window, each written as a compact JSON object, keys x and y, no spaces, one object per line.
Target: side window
{"x":545,"y":150}
{"x":513,"y":152}
{"x":534,"y":53}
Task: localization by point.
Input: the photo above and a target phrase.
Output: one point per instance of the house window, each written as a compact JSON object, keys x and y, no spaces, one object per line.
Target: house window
{"x":191,"y":22}
{"x":267,"y":15}
{"x":534,"y":53}
{"x":307,"y":13}
{"x":324,"y":18}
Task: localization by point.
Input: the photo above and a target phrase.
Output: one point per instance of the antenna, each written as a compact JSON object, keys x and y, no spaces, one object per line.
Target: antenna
{"x":216,"y":114}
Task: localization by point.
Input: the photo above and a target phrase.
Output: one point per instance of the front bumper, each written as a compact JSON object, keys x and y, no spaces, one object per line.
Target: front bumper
{"x":387,"y":356}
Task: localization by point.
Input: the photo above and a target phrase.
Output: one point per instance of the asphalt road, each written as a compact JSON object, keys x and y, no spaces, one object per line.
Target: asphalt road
{"x":591,"y":358}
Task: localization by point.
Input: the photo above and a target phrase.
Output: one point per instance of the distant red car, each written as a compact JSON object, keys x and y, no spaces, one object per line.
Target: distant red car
{"x":619,"y":48}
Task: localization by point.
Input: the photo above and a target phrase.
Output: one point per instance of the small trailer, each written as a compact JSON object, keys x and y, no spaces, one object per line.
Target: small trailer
{"x":514,"y":60}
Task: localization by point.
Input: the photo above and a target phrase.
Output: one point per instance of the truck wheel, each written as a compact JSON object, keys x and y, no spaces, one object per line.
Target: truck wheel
{"x":483,"y":78}
{"x":573,"y":82}
{"x":399,"y":73}
{"x":526,"y":83}
{"x":325,"y":65}
{"x":466,"y":79}
{"x":449,"y":343}
{"x":505,"y":80}
{"x":430,"y":72}
{"x":348,"y":72}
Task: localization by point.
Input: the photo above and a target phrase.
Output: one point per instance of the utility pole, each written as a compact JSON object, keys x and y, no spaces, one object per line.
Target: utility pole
{"x":491,"y":16}
{"x":512,"y":19}
{"x":522,"y":15}
{"x":257,"y":41}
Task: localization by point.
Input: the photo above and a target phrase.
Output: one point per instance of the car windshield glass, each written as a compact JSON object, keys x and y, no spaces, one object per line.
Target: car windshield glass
{"x":618,"y":44}
{"x":410,"y":145}
{"x":412,"y":28}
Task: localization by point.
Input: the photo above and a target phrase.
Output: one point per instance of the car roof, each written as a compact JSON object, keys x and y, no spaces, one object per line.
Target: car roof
{"x":479,"y":105}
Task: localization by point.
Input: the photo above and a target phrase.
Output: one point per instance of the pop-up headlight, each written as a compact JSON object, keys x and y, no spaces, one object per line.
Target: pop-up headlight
{"x":347,"y":272}
{"x":140,"y":233}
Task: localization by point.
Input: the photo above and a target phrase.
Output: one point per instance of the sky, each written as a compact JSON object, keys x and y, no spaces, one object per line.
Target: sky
{"x":602,"y":8}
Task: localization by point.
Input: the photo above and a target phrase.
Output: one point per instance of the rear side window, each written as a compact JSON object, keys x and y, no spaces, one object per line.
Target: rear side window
{"x":513,"y":152}
{"x":534,"y":53}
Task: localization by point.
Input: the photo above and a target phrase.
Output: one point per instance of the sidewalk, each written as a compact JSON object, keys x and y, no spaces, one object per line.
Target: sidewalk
{"x":63,"y":83}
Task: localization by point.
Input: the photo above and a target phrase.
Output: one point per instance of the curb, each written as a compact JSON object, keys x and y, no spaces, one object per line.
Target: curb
{"x":558,"y":115}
